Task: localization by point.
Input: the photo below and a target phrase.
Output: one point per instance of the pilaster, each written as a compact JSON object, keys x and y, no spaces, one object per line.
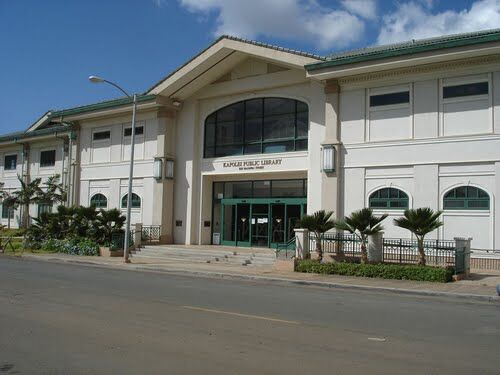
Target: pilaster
{"x":331,"y":180}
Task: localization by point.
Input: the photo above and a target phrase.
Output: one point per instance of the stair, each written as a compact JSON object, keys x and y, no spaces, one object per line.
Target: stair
{"x":169,"y":253}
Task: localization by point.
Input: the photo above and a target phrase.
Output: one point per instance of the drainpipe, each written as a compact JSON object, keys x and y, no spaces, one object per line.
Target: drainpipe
{"x":70,"y":169}
{"x":25,"y":176}
{"x":64,"y":173}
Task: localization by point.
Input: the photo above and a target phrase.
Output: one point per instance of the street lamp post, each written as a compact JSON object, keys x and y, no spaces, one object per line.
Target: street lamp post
{"x":96,"y":79}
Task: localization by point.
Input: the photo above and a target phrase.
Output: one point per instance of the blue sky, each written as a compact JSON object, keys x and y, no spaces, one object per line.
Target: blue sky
{"x":49,"y":48}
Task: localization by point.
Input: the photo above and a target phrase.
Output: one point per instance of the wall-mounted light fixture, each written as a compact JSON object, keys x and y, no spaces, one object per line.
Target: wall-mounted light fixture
{"x":169,"y":168}
{"x":158,"y":168}
{"x":328,"y":158}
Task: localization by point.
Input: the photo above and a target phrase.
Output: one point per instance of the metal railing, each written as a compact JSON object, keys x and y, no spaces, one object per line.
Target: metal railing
{"x":337,"y":244}
{"x":404,"y":251}
{"x":118,"y":240}
{"x":441,"y":253}
{"x":285,"y":248}
{"x":150,"y":234}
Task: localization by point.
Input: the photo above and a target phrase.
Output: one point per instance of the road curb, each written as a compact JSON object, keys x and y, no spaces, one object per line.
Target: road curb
{"x":466,"y":297}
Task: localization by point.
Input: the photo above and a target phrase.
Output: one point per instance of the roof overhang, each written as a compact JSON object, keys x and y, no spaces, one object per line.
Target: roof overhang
{"x":323,"y":71}
{"x":110,"y":108}
{"x":220,"y":57}
{"x":58,"y":131}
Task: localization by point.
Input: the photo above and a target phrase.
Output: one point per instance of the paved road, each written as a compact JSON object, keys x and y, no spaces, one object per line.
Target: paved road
{"x":73,"y":319}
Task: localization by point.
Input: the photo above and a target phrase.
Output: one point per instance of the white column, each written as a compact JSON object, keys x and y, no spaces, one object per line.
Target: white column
{"x":302,"y":243}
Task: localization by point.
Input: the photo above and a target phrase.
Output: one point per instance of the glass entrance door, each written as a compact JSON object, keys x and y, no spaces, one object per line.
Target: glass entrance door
{"x":260,"y":222}
{"x":260,"y":225}
{"x":293,"y":214}
{"x":278,"y":222}
{"x":243,"y":224}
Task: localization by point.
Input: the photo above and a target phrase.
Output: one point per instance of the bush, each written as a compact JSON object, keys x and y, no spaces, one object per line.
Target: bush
{"x":75,"y":222}
{"x":384,"y":271}
{"x":74,"y":246}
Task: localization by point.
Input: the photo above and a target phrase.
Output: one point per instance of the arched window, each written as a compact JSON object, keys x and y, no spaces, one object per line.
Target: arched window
{"x":466,"y":198}
{"x":256,"y":126}
{"x":389,"y":198}
{"x":135,"y":201}
{"x":99,"y":201}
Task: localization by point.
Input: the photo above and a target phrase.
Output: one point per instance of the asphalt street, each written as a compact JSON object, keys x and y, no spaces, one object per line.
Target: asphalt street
{"x":74,"y":319}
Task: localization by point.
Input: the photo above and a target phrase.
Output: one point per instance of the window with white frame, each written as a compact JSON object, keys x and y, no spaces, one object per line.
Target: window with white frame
{"x":47,"y":158}
{"x":139,"y":141}
{"x":466,"y":105}
{"x":10,"y":162}
{"x":101,"y":143}
{"x":7,"y":211}
{"x":389,"y":113}
{"x":135,"y":201}
{"x":44,"y":208}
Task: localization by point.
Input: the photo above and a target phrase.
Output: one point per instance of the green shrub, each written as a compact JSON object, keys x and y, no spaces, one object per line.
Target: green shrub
{"x":75,"y":222}
{"x":74,"y":246}
{"x":384,"y":271}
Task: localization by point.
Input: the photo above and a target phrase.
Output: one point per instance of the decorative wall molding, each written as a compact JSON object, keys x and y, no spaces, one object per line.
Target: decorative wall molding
{"x":428,"y":68}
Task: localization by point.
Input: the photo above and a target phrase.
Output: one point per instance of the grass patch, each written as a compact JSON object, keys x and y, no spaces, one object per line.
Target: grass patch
{"x":384,"y":271}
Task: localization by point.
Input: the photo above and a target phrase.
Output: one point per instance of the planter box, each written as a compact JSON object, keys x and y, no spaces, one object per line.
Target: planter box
{"x":107,"y":252}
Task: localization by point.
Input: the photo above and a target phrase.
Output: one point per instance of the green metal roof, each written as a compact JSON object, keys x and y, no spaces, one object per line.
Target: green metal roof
{"x":407,"y":48}
{"x":19,"y":136}
{"x":100,"y":106}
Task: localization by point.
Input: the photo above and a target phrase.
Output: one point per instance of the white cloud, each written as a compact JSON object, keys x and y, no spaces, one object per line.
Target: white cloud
{"x":364,"y":8}
{"x":305,"y":20}
{"x":413,"y":21}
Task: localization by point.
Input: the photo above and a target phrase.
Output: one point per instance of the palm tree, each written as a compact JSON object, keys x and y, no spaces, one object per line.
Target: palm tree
{"x":54,"y":191}
{"x":28,"y":194}
{"x":362,"y":223}
{"x":320,"y":222}
{"x":420,"y":221}
{"x":107,"y":223}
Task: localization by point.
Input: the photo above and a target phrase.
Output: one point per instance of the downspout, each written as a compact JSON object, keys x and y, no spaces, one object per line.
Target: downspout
{"x":25,"y":176}
{"x":70,"y":169}
{"x":63,"y":171}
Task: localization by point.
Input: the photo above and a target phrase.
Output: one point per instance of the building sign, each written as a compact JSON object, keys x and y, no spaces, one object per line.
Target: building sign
{"x":251,"y":164}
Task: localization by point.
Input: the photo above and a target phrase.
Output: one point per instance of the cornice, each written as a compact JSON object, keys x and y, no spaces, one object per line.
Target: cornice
{"x":422,"y":69}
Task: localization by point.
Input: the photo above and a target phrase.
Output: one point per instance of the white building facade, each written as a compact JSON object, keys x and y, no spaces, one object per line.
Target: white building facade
{"x":261,"y":135}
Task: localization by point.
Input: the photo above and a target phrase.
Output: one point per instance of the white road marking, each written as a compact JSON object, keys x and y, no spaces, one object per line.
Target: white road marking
{"x":241,"y":315}
{"x":379,"y":339}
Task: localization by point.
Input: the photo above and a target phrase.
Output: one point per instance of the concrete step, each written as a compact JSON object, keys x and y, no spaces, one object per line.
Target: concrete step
{"x":182,"y":252}
{"x":185,"y":260}
{"x":203,"y":255}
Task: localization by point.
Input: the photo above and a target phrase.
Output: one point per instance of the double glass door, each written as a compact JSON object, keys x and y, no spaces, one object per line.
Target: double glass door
{"x":260,"y":222}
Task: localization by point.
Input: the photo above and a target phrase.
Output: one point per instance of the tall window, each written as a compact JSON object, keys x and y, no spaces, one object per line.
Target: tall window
{"x":7,"y":211}
{"x":389,"y":198}
{"x":99,"y":201}
{"x":47,"y":158}
{"x":10,"y":162}
{"x":466,"y":198}
{"x":257,"y":126}
{"x":44,"y":207}
{"x":135,"y":201}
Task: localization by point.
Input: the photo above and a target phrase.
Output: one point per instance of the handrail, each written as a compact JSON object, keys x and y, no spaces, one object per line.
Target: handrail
{"x":286,"y":245}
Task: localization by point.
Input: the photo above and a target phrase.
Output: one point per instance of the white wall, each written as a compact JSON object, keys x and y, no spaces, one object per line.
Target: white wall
{"x":439,"y":144}
{"x":106,"y":171}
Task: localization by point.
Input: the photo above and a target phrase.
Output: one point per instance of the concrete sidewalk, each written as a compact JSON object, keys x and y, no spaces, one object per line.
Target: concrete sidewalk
{"x":481,"y":286}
